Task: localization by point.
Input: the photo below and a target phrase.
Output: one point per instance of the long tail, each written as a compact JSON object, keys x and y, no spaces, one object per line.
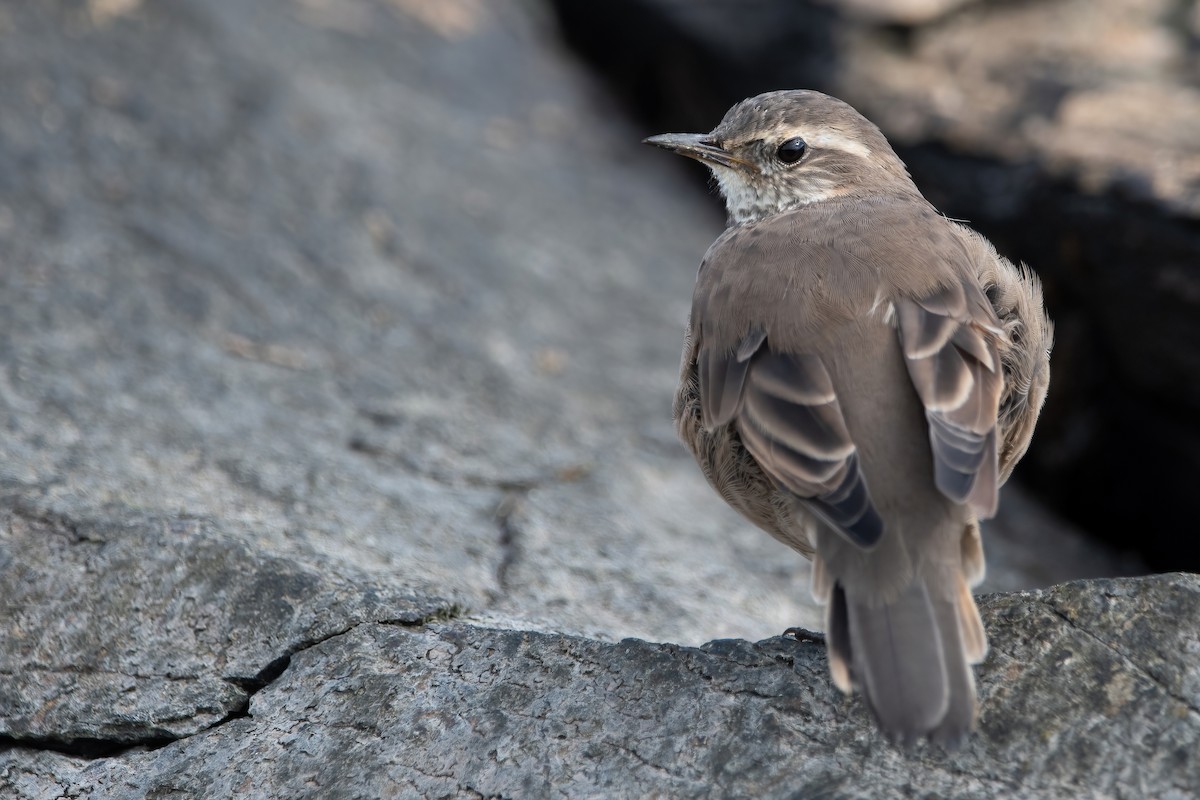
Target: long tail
{"x":910,"y":655}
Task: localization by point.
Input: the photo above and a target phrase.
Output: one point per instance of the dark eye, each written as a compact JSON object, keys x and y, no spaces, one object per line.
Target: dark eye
{"x":791,"y":151}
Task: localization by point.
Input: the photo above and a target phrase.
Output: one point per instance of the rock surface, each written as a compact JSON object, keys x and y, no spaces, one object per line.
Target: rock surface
{"x":1067,"y":131}
{"x":1076,"y":702}
{"x":107,"y":644}
{"x":337,"y":340}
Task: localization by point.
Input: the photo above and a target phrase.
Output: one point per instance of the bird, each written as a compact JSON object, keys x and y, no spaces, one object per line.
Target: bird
{"x":860,"y":375}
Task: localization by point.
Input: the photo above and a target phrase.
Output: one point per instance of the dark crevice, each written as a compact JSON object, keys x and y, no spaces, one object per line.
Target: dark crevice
{"x":78,"y":532}
{"x":94,"y":748}
{"x":509,"y":535}
{"x":85,"y":747}
{"x":267,"y":675}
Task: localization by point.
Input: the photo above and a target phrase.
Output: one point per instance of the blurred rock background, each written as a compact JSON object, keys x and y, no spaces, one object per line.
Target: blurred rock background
{"x":337,"y":347}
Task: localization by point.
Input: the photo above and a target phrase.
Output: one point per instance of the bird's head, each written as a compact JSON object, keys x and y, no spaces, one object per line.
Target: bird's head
{"x":783,"y":150}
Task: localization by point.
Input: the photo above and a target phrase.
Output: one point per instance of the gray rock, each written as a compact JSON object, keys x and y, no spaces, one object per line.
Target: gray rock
{"x":1076,"y":702}
{"x":321,"y":321}
{"x":145,"y":630}
{"x":372,"y":315}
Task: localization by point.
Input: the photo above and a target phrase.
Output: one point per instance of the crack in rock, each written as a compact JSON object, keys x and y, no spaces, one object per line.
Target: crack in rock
{"x":1125,"y":659}
{"x":510,"y":550}
{"x":98,"y":748}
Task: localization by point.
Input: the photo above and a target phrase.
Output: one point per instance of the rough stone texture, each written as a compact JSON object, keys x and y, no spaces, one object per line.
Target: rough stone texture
{"x":324,"y":320}
{"x":1068,"y":131}
{"x":414,"y":309}
{"x":1090,"y":691}
{"x":346,"y":296}
{"x":142,"y":629}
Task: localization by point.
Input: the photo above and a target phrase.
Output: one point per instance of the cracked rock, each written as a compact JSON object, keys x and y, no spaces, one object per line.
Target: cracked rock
{"x":294,"y":296}
{"x":1075,"y":703}
{"x":143,"y":630}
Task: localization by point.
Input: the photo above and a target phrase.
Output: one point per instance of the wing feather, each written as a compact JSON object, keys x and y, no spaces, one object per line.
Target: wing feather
{"x":788,"y":417}
{"x":949,"y":339}
{"x":721,"y":379}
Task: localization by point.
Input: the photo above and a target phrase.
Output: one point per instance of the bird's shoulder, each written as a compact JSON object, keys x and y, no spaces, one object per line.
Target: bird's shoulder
{"x":803,"y":272}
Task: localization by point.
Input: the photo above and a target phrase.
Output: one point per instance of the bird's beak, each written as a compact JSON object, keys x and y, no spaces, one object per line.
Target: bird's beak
{"x":699,"y":146}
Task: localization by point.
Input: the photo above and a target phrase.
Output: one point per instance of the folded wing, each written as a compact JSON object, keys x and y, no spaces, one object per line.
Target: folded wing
{"x":788,"y":417}
{"x":949,"y":341}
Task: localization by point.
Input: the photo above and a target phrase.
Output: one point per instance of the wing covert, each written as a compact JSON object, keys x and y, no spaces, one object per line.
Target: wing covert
{"x":949,"y":342}
{"x":789,"y":419}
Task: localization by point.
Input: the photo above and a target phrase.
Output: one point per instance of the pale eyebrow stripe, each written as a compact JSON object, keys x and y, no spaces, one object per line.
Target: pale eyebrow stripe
{"x":837,"y":141}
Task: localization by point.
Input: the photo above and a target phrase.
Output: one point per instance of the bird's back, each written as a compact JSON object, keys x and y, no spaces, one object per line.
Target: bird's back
{"x":848,"y":386}
{"x":812,"y":286}
{"x":818,"y":286}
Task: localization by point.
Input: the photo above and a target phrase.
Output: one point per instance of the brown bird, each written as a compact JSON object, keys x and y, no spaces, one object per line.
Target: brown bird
{"x":860,"y":375}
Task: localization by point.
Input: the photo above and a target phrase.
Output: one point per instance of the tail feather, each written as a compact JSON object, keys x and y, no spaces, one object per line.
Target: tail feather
{"x":974,"y":640}
{"x":898,"y":661}
{"x":837,"y":639}
{"x":822,"y":581}
{"x":971,"y":547}
{"x":959,"y":718}
{"x":910,"y":657}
